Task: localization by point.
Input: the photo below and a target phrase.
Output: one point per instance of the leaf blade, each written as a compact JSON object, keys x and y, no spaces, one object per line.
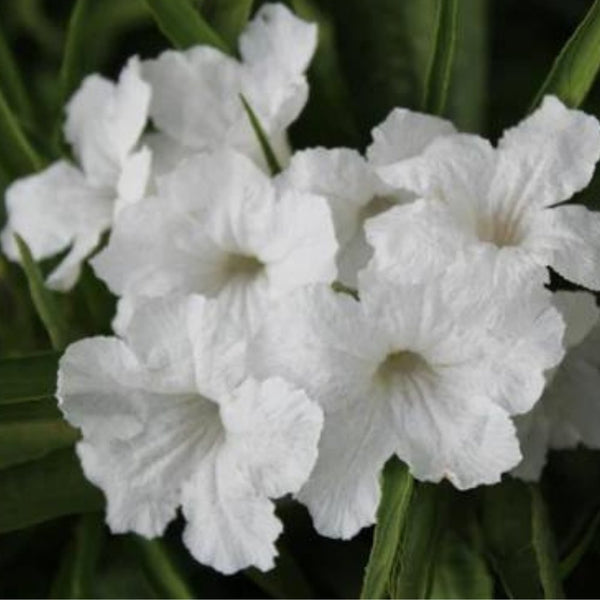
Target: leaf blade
{"x":28,"y":378}
{"x":183,"y":25}
{"x":18,"y":156}
{"x":442,"y":58}
{"x":229,"y":18}
{"x":515,"y":543}
{"x":73,"y":66}
{"x":45,"y":489}
{"x":577,"y":64}
{"x":31,"y":430}
{"x":397,"y":489}
{"x":43,"y":300}
{"x":263,"y":140}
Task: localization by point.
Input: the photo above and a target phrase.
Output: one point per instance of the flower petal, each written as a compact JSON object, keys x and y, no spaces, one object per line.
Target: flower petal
{"x":273,"y":429}
{"x":405,"y":134}
{"x":319,"y":341}
{"x":576,"y":243}
{"x":229,"y":525}
{"x":456,"y":169}
{"x":549,"y":156}
{"x":53,"y":210}
{"x":343,"y":491}
{"x":105,"y":121}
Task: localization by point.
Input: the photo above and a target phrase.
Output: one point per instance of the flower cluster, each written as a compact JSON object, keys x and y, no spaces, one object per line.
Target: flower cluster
{"x":291,"y":333}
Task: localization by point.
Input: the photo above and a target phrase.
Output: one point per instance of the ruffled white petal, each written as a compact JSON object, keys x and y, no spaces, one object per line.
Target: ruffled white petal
{"x":405,"y":134}
{"x":343,"y":491}
{"x":52,"y":211}
{"x":321,"y":342}
{"x":269,"y":448}
{"x":575,"y":238}
{"x":448,"y":433}
{"x":456,"y":169}
{"x":276,"y":47}
{"x":105,"y":121}
{"x":549,"y":156}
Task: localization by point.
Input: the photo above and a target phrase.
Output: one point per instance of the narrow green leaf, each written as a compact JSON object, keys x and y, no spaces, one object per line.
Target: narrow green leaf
{"x":43,"y":300}
{"x":161,"y":569}
{"x":396,"y":492}
{"x":11,"y":82}
{"x":28,"y":378}
{"x":74,"y":65}
{"x":30,"y":430}
{"x":183,"y":25}
{"x":519,"y":540}
{"x":272,"y":162}
{"x":460,"y":571}
{"x":578,"y":551}
{"x":229,"y":18}
{"x":16,"y":154}
{"x":327,"y":119}
{"x":76,"y":572}
{"x":576,"y":67}
{"x":45,"y":489}
{"x":413,"y":568}
{"x":442,"y":57}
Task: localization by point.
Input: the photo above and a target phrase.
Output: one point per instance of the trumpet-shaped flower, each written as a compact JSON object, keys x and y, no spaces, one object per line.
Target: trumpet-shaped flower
{"x":196,"y":93}
{"x":66,"y":207}
{"x":169,"y":419}
{"x":407,"y":371}
{"x":568,"y":413}
{"x":497,"y":207}
{"x":352,"y":187}
{"x":218,"y":227}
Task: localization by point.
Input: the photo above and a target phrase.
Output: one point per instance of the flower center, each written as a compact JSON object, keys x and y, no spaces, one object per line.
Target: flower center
{"x":243,"y":265}
{"x":500,"y":230}
{"x":376,"y":206}
{"x":401,"y":364}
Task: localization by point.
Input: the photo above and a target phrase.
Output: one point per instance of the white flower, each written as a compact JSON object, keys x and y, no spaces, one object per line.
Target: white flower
{"x":65,"y":207}
{"x":407,"y":371}
{"x":568,"y":413}
{"x":170,"y":419}
{"x":351,"y":185}
{"x":497,"y":207}
{"x":218,"y":227}
{"x":196,"y":93}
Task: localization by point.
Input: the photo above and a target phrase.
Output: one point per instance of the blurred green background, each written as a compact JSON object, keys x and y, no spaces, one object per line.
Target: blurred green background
{"x":372,"y":56}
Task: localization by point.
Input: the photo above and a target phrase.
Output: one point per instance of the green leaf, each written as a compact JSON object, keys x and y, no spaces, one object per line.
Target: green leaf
{"x":16,"y":154}
{"x":442,"y":57}
{"x":519,"y":540}
{"x":580,"y":548}
{"x":269,"y":154}
{"x":45,"y":489}
{"x":43,"y":300}
{"x":161,"y":569}
{"x":460,"y":571}
{"x":327,"y":119}
{"x":28,"y":378}
{"x":396,"y":492}
{"x":76,"y":572}
{"x":183,"y":25}
{"x":229,"y":18}
{"x":576,"y":67}
{"x":467,"y":94}
{"x":385,"y":53}
{"x":31,"y":430}
{"x":413,"y":568}
{"x":74,"y":65}
{"x":11,"y":82}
